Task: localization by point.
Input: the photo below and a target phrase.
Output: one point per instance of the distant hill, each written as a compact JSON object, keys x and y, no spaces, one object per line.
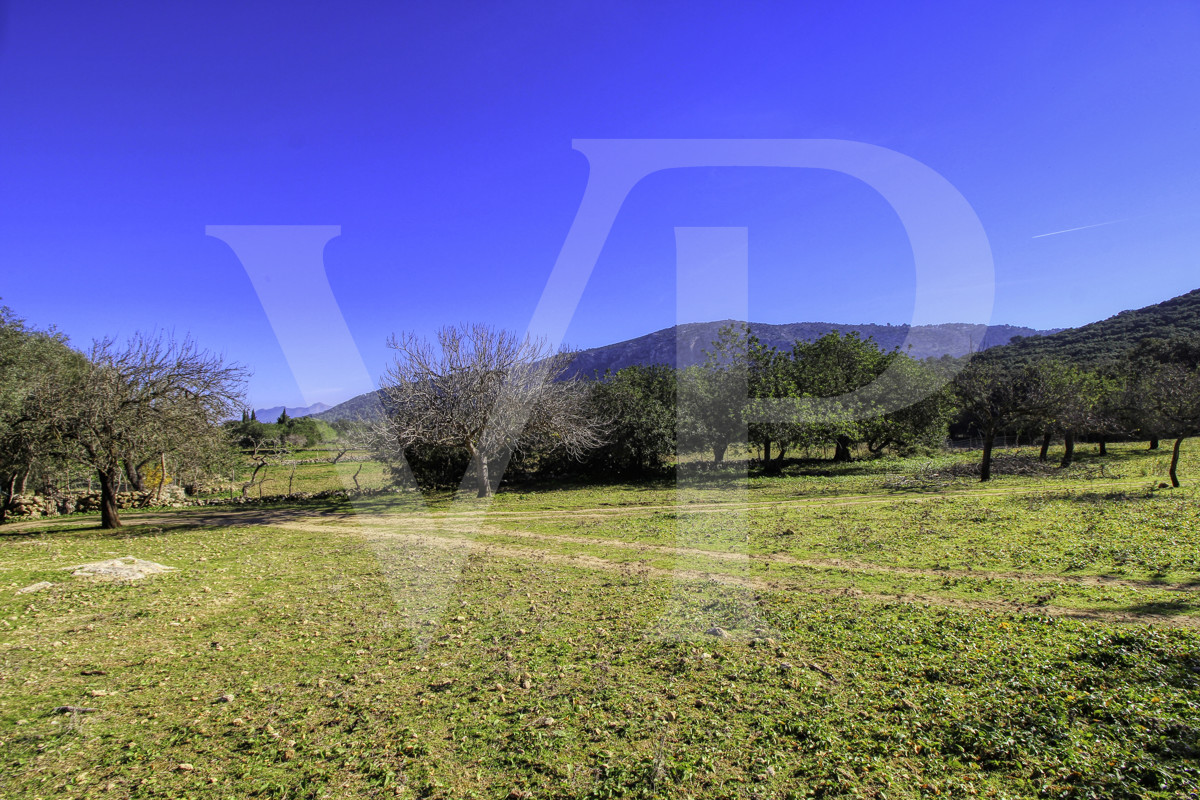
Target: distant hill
{"x":272,"y":414}
{"x":363,"y":406}
{"x":659,"y":348}
{"x":1110,"y":338}
{"x":928,"y":341}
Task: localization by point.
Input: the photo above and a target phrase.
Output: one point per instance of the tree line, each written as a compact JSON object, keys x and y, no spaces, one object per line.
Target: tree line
{"x":1150,"y":391}
{"x":478,"y":401}
{"x":441,"y":398}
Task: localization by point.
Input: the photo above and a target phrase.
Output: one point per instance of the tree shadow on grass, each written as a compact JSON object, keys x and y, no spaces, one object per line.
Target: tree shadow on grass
{"x":1159,"y":608}
{"x":155,"y":522}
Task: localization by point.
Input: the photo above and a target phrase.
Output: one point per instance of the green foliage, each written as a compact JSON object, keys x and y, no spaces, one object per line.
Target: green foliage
{"x":711,"y":397}
{"x":638,"y":404}
{"x":32,"y":364}
{"x":308,"y":431}
{"x":314,"y":431}
{"x":839,"y":390}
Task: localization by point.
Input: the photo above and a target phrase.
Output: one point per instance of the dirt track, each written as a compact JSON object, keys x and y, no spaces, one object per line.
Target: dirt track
{"x":457,"y":531}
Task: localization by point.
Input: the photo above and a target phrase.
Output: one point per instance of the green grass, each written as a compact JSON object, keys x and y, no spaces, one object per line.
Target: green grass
{"x":929,"y":642}
{"x":276,"y":478}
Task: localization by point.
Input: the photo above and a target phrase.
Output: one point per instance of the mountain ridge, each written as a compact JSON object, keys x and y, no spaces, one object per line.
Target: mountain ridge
{"x":923,"y":341}
{"x":659,"y":347}
{"x":271,"y":414}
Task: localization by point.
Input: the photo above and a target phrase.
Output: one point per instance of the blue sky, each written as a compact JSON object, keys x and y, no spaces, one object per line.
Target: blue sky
{"x":438,"y":136}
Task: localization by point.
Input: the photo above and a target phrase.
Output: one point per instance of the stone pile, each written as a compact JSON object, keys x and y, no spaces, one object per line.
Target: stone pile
{"x":32,"y":506}
{"x":36,"y":506}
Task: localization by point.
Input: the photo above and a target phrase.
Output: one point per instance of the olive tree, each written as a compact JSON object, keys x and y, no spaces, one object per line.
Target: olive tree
{"x":31,"y":361}
{"x":483,"y":390}
{"x":1176,"y":397}
{"x":996,"y":396}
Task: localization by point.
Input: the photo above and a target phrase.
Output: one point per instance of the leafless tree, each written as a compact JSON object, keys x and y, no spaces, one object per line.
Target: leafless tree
{"x":486,"y":391}
{"x":264,"y":451}
{"x":156,"y":395}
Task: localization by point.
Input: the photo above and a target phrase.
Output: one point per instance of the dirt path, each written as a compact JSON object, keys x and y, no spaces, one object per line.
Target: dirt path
{"x":454,"y":530}
{"x":822,"y":563}
{"x":459,"y":539}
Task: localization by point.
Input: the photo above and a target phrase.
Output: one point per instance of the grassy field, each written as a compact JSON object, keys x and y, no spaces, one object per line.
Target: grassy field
{"x":881,"y":629}
{"x":275,"y":479}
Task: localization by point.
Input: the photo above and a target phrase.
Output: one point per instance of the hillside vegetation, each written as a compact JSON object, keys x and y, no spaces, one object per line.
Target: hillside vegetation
{"x":1109,"y":339}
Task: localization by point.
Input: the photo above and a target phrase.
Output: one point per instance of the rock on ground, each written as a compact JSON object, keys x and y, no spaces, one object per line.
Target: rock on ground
{"x":127,"y":568}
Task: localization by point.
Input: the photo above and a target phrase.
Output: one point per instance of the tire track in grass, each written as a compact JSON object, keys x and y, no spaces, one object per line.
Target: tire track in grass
{"x":459,"y":539}
{"x":819,"y":563}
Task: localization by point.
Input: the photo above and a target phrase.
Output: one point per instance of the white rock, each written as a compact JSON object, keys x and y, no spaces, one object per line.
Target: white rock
{"x":127,"y":569}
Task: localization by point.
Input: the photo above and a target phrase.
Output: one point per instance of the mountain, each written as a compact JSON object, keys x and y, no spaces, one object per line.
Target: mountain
{"x":272,"y":414}
{"x":659,"y":348}
{"x":363,"y":406}
{"x":1110,"y":338}
{"x":927,"y":341}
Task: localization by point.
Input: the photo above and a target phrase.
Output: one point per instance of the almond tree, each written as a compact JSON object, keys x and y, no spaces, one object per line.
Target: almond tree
{"x":154,"y":394}
{"x":486,"y":391}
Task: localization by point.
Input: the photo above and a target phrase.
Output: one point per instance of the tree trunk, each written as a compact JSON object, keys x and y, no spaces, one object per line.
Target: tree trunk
{"x":1045,"y":446}
{"x":985,"y":467}
{"x":357,"y":488}
{"x":8,"y":496}
{"x":767,"y":451}
{"x":1175,"y":462}
{"x":109,"y":520}
{"x":22,"y":482}
{"x":134,"y":476}
{"x":1068,"y":449}
{"x":246,"y":487}
{"x":162,"y":475}
{"x":1153,"y":442}
{"x":1103,"y":445}
{"x":482,"y":483}
{"x":719,"y":452}
{"x":841,"y":450}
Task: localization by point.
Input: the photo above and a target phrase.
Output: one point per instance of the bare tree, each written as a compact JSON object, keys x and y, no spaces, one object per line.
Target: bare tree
{"x":264,"y":450}
{"x":486,"y":391}
{"x":156,"y":396}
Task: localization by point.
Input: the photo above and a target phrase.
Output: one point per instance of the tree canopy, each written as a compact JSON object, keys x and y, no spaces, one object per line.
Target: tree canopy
{"x":485,"y":391}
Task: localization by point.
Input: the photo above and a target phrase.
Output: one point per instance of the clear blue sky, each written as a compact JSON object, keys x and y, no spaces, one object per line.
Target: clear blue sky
{"x":439,"y":137}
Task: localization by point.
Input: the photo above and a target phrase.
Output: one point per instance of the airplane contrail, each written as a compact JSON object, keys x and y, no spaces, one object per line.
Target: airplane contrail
{"x":1083,"y":227}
